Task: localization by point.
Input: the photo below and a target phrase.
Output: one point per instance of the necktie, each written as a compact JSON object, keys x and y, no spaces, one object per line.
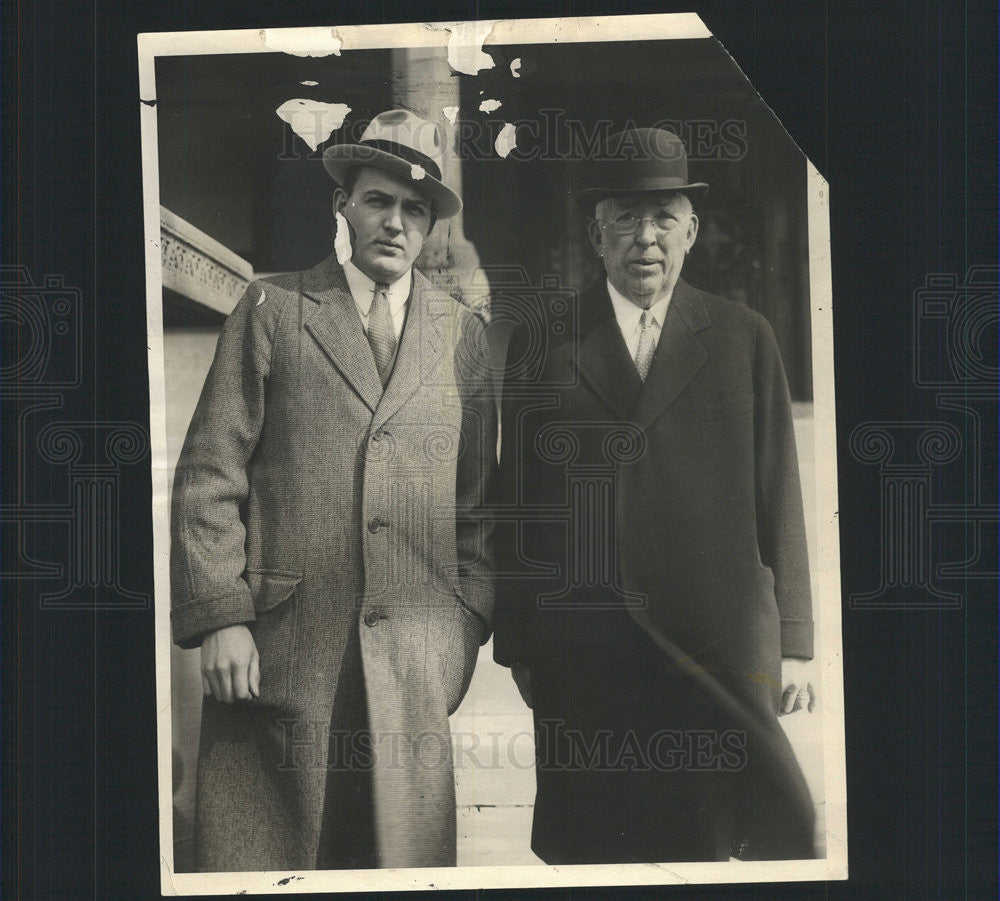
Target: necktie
{"x":381,"y":334}
{"x":644,"y":352}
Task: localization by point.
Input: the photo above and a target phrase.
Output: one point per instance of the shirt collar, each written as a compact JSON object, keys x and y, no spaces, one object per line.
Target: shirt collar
{"x":628,"y":314}
{"x":363,"y":289}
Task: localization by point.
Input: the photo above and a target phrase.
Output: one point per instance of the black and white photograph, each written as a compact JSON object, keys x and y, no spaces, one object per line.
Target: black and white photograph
{"x":539,"y":450}
{"x":494,"y":495}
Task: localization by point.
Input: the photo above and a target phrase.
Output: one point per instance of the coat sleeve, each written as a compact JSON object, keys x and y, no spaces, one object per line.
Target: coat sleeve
{"x":476,"y":471}
{"x":781,"y":532}
{"x":513,"y":608}
{"x":207,"y":549}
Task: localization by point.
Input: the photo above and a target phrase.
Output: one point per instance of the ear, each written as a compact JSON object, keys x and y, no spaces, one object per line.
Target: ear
{"x":339,"y":199}
{"x":692,"y":232}
{"x":596,"y":235}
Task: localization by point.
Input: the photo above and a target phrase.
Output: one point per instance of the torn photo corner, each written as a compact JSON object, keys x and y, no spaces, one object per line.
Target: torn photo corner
{"x":554,"y":154}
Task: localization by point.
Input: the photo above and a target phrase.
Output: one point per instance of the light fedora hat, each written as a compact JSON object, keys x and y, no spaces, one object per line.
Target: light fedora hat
{"x":637,"y":161}
{"x":404,"y":145}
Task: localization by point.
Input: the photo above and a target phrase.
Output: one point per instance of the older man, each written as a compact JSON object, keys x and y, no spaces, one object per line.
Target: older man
{"x":327,"y":556}
{"x":656,"y":588}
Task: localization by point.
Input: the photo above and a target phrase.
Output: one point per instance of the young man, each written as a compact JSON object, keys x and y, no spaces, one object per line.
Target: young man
{"x":327,"y":554}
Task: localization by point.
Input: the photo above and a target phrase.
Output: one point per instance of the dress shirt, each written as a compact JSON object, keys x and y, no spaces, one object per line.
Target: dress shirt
{"x":628,"y":316}
{"x":363,"y":290}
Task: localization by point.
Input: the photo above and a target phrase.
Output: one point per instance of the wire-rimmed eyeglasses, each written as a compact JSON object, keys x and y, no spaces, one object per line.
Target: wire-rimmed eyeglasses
{"x":628,"y":223}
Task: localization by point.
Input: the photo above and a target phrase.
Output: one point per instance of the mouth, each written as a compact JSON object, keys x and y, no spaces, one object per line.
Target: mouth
{"x":390,"y":247}
{"x":646,"y":263}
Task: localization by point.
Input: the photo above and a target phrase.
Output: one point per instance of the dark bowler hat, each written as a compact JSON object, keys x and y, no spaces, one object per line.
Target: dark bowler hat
{"x":636,"y":161}
{"x":404,"y":145}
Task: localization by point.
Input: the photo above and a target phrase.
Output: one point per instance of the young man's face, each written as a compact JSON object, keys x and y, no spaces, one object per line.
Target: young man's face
{"x":389,"y":220}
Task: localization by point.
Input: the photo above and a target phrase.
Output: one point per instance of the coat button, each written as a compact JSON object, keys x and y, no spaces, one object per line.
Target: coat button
{"x":374,"y":524}
{"x":377,"y":437}
{"x":371,"y":617}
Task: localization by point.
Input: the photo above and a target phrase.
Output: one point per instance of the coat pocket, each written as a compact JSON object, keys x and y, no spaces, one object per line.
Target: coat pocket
{"x":270,"y":588}
{"x":724,"y":409}
{"x":462,"y":652}
{"x":274,"y":631}
{"x":463,"y":605}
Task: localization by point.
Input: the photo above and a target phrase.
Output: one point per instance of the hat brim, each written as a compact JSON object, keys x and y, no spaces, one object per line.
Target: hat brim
{"x":341,"y":158}
{"x":589,"y":197}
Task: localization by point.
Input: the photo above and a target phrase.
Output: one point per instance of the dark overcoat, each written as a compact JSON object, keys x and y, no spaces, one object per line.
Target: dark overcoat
{"x":342,"y":523}
{"x":676,"y":501}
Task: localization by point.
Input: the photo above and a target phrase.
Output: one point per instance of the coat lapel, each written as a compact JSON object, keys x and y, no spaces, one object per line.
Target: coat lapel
{"x":679,"y":355}
{"x":420,"y":348}
{"x":335,"y":324}
{"x":603,"y":357}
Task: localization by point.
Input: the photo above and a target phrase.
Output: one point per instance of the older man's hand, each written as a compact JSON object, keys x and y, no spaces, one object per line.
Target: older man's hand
{"x":798,"y":681}
{"x":230,"y":666}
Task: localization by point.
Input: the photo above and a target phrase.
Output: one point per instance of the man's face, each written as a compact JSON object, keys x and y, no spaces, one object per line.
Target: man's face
{"x":389,"y":220}
{"x":644,"y":263}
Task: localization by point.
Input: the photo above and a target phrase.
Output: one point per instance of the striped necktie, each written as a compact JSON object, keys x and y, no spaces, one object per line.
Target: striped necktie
{"x":381,"y":334}
{"x":647,"y":347}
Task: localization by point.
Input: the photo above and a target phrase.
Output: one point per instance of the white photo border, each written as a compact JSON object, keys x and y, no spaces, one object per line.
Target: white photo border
{"x":826,"y":569}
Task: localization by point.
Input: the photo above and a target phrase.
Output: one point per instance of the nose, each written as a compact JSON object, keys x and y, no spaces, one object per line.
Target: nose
{"x":394,"y":219}
{"x":645,"y":235}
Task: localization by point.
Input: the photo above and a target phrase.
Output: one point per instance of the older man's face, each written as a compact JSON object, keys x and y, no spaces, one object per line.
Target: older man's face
{"x":642,"y":240}
{"x":389,"y":220}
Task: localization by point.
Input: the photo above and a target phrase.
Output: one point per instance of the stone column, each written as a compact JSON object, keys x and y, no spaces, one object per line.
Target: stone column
{"x":422,"y":81}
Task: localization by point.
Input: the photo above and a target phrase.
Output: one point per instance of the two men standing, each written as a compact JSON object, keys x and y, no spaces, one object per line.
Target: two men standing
{"x":332,"y":555}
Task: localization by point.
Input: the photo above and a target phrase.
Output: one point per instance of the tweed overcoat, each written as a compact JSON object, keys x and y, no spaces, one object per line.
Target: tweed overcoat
{"x":697,"y":532}
{"x":311,"y":504}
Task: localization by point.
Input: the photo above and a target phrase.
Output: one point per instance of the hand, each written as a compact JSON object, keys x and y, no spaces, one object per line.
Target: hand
{"x":522,"y":679}
{"x":230,"y":666}
{"x":797,"y":681}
